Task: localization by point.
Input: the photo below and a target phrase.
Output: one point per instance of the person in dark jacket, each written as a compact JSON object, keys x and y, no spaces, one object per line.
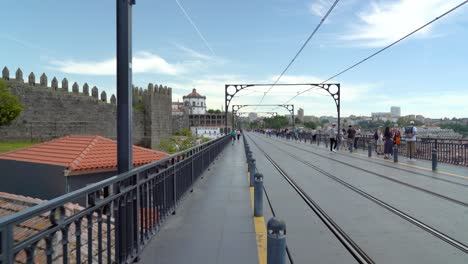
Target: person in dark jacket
{"x":351,"y":135}
{"x":388,"y":146}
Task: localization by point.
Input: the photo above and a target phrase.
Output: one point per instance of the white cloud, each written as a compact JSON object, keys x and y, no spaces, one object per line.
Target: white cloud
{"x":318,"y":7}
{"x":143,"y":62}
{"x":385,"y":22}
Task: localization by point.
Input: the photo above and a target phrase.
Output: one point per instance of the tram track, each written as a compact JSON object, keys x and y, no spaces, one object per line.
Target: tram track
{"x":345,"y":240}
{"x":444,"y":237}
{"x":441,"y":196}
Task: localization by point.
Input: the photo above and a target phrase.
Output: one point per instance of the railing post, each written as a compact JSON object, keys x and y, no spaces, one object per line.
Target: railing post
{"x":258,"y":195}
{"x":6,"y":242}
{"x":253,"y":170}
{"x":369,"y":149}
{"x":174,"y":169}
{"x":434,"y":159}
{"x":276,"y":241}
{"x":191,"y":171}
{"x":395,"y":153}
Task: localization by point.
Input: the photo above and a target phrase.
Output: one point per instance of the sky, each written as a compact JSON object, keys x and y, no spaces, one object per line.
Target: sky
{"x":206,"y":44}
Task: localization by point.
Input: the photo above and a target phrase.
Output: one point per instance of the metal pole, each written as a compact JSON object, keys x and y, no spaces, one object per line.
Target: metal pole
{"x":395,"y":153}
{"x":258,"y":195}
{"x":434,"y":159}
{"x":253,"y":170}
{"x":276,"y":241}
{"x":124,"y":85}
{"x":124,"y":116}
{"x":369,"y":149}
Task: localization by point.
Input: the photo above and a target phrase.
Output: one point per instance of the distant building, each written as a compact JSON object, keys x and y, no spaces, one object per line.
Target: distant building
{"x":396,"y":111}
{"x":59,"y":166}
{"x":311,"y":119}
{"x":253,"y":117}
{"x":383,"y":116}
{"x":300,"y":114}
{"x":178,"y":108}
{"x":208,"y":132}
{"x":196,"y":102}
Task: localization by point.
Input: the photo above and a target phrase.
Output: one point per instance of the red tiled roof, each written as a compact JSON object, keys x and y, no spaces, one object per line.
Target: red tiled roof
{"x":81,"y":153}
{"x":11,"y":203}
{"x":194,"y":94}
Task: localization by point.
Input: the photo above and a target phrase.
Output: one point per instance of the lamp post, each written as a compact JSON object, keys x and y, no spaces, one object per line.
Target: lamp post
{"x":124,"y":85}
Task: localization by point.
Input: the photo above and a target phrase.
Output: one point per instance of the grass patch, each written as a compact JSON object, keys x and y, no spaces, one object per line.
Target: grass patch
{"x":9,"y":146}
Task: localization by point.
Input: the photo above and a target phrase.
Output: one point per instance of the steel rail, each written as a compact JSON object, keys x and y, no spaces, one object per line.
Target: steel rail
{"x":386,"y":177}
{"x":339,"y":233}
{"x":446,"y":238}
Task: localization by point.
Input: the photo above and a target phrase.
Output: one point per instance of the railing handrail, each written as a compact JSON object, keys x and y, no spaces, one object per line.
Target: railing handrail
{"x":69,"y":197}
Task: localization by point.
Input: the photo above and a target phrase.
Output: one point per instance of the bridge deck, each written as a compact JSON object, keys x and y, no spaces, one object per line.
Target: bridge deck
{"x":433,"y":205}
{"x":214,"y":224}
{"x":394,"y":212}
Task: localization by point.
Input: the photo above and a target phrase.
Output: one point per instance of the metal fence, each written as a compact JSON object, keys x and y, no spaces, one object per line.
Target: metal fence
{"x":123,"y":213}
{"x":453,"y":151}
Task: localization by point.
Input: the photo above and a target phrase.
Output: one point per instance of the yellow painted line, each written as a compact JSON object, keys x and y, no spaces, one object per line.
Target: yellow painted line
{"x":418,"y":167}
{"x":261,"y":236}
{"x":260,"y":233}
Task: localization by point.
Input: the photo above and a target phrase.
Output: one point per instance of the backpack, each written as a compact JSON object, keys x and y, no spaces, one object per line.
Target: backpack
{"x":397,"y":139}
{"x":376,"y":136}
{"x":409,"y":132}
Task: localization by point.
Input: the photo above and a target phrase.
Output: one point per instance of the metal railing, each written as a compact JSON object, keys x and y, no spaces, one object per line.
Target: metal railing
{"x":453,"y":151}
{"x":122,"y":214}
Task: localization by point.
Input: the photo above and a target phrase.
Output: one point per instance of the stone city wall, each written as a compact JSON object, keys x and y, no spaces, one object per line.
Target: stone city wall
{"x":52,"y":110}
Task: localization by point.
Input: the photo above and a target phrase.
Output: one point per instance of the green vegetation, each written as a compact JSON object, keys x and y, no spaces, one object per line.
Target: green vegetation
{"x":276,"y":122}
{"x":459,"y":128}
{"x":9,"y":146}
{"x":311,"y":125}
{"x":183,"y":132}
{"x":180,"y":143}
{"x":212,"y":111}
{"x":10,"y":107}
{"x":404,"y":121}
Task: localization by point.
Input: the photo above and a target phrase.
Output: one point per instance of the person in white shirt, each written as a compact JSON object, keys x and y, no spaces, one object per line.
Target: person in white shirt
{"x":410,"y":135}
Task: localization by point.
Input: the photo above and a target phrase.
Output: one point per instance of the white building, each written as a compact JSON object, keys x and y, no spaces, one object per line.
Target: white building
{"x":396,"y":111}
{"x":206,"y":131}
{"x":178,"y":108}
{"x":196,"y":102}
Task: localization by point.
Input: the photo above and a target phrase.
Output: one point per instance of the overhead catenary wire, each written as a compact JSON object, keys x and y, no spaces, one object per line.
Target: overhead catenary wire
{"x":382,"y":50}
{"x":196,"y":28}
{"x":302,"y":48}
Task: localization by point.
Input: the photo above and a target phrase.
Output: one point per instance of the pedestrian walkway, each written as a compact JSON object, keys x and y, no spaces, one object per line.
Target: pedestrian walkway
{"x":426,"y":165}
{"x":213,"y":224}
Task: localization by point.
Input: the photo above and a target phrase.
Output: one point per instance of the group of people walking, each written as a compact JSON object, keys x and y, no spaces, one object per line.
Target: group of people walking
{"x":235,"y":135}
{"x":344,"y":138}
{"x":385,"y":139}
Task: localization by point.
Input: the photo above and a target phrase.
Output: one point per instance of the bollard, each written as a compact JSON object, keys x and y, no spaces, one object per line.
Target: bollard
{"x":434,"y":159}
{"x":369,"y":150}
{"x":253,"y":170}
{"x":258,"y":195}
{"x":395,"y":153}
{"x":276,"y":241}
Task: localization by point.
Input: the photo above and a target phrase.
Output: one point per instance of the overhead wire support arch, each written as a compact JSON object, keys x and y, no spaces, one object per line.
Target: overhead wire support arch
{"x":230,"y":91}
{"x":383,"y":49}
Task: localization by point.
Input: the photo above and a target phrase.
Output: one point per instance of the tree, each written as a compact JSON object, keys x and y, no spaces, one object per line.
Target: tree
{"x":311,"y":125}
{"x":10,"y":107}
{"x":297,"y":120}
{"x":276,"y":122}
